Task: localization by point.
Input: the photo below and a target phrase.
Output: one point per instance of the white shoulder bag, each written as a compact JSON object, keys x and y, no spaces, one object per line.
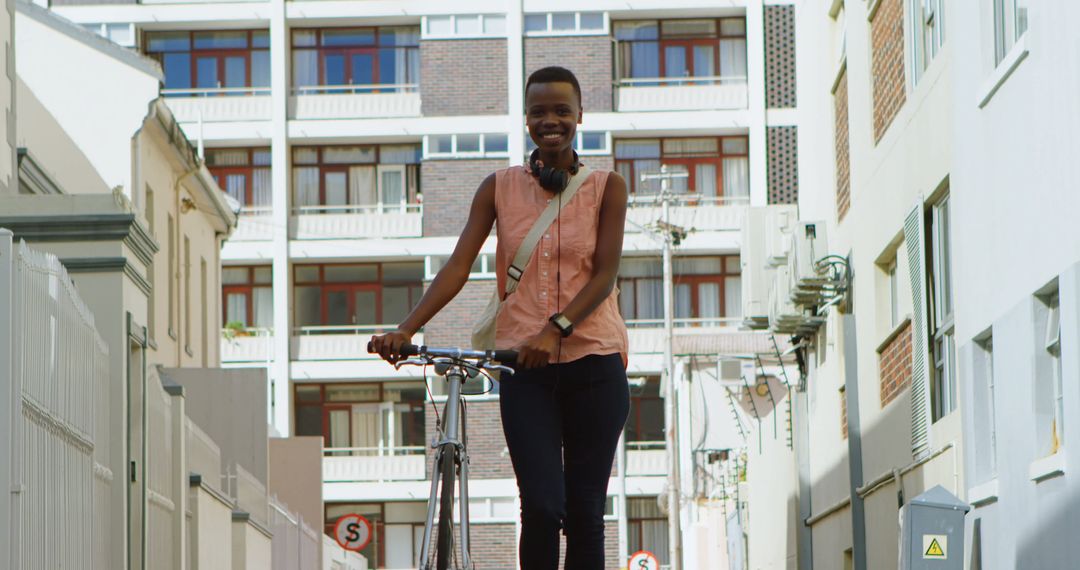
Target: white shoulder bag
{"x":483,"y":336}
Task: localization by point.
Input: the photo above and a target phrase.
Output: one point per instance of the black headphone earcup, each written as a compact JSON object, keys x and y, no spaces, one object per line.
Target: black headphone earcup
{"x":553,"y":179}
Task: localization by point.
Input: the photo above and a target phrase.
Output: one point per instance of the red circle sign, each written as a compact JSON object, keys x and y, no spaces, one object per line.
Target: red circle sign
{"x":643,"y":560}
{"x":353,"y":532}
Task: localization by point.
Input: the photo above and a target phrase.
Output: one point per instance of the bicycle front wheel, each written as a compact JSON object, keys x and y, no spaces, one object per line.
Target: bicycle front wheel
{"x":444,"y":550}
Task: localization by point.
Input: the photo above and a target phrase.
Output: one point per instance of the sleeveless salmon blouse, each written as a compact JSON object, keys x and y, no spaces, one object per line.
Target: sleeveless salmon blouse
{"x":568,"y":245}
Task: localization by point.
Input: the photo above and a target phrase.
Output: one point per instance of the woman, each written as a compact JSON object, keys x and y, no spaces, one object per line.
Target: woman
{"x":564,"y":409}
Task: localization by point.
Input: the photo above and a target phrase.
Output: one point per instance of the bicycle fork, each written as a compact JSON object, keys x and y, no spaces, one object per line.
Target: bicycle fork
{"x":451,"y":448}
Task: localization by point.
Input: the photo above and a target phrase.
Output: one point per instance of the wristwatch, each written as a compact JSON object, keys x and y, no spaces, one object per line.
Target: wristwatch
{"x":566,"y":328}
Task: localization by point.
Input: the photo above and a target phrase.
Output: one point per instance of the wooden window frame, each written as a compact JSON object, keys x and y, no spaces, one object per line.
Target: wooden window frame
{"x":221,"y":53}
{"x":378,"y":285}
{"x":663,"y":41}
{"x":324,"y":167}
{"x":247,"y":289}
{"x":348,"y":51}
{"x":688,"y":161}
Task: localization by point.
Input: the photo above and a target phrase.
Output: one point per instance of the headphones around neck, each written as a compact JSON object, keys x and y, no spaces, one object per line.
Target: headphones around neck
{"x":552,"y":179}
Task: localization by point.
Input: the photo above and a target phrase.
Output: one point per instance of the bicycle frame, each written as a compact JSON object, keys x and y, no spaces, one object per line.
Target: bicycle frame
{"x":449,"y":445}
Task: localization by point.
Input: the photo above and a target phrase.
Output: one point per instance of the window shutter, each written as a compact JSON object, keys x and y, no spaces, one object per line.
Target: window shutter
{"x":915,"y":238}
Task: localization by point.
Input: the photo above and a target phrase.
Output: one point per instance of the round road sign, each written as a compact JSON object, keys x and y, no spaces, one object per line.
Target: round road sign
{"x":353,"y":532}
{"x":644,"y":560}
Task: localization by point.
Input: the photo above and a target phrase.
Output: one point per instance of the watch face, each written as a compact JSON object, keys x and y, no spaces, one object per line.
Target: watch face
{"x":563,"y":322}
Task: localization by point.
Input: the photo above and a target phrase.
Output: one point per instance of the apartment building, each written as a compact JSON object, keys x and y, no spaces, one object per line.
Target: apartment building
{"x":354,"y":134}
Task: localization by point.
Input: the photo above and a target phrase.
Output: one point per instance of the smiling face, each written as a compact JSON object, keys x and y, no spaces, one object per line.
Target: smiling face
{"x":552,"y":114}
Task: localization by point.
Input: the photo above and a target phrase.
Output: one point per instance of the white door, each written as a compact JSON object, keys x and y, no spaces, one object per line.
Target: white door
{"x":392,"y":190}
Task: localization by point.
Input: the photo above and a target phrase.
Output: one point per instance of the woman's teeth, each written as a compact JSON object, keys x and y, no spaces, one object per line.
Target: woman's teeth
{"x":552,"y":136}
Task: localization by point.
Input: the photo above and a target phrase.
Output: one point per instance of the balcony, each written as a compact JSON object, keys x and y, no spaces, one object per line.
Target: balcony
{"x":355,"y":101}
{"x":647,"y":336}
{"x":254,"y":224}
{"x":338,"y":342}
{"x":218,"y":105}
{"x":692,"y":212}
{"x":344,"y":222}
{"x":646,"y":458}
{"x":247,"y":345}
{"x":681,"y":94}
{"x":373,"y":464}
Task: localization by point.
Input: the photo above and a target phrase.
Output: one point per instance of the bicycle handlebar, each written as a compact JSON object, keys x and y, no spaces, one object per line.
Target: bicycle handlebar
{"x":502,"y":356}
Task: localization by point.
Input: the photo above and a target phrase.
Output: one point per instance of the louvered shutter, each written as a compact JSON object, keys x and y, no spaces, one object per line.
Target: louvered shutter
{"x":915,"y":238}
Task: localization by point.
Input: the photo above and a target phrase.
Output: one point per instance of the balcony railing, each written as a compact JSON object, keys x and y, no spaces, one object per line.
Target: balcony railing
{"x":355,"y":101}
{"x":247,"y":345}
{"x":646,"y":458}
{"x":338,"y":342}
{"x":384,"y":463}
{"x":254,"y":224}
{"x":685,"y":323}
{"x":219,"y":104}
{"x":689,"y":211}
{"x":353,"y":221}
{"x":681,"y":93}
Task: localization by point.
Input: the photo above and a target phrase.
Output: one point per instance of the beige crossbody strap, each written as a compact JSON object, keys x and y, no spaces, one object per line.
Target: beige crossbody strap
{"x":528,"y":245}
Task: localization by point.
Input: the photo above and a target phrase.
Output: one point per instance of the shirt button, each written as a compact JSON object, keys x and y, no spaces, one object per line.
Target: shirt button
{"x":549,"y":200}
{"x":547,"y":236}
{"x":545,"y":254}
{"x":545,"y":274}
{"x":543,"y":293}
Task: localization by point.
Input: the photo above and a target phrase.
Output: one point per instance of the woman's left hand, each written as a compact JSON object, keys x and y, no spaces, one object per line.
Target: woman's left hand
{"x":537,"y":351}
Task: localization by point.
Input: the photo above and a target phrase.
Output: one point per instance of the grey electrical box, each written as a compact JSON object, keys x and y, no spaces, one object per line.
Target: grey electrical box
{"x":932,"y":531}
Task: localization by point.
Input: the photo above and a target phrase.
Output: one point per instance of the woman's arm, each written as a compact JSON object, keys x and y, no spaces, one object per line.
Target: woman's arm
{"x":609,"y":238}
{"x":451,"y":278}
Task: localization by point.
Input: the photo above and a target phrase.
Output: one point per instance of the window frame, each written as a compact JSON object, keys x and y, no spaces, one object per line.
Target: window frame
{"x":411,"y":195}
{"x":428,"y":153}
{"x":663,"y":41}
{"x":416,"y":291}
{"x":247,"y":289}
{"x":692,"y":279}
{"x":548,"y":31}
{"x":220,"y":174}
{"x":638,"y":396}
{"x":427,"y":34}
{"x":194,"y":53}
{"x":943,"y":386}
{"x":633,"y":180}
{"x":374,"y":49}
{"x":1005,"y":18}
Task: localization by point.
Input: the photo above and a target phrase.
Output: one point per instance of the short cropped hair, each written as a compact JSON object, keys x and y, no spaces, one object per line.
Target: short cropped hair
{"x":554,"y":74}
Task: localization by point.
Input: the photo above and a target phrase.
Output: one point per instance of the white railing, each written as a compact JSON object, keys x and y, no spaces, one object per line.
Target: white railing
{"x":344,"y":222}
{"x":348,"y":464}
{"x":247,"y":345}
{"x":338,"y":342}
{"x":355,"y":101}
{"x":59,"y":367}
{"x":295,"y":545}
{"x":646,"y":458}
{"x":685,"y":323}
{"x":219,"y":104}
{"x":690,"y":211}
{"x":681,"y":93}
{"x":254,"y":224}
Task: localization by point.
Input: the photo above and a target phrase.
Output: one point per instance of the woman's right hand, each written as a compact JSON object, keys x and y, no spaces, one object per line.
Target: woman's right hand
{"x":388,"y":345}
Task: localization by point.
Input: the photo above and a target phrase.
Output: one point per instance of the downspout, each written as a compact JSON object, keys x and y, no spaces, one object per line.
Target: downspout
{"x":855,"y":467}
{"x":801,"y":435}
{"x":179,"y":254}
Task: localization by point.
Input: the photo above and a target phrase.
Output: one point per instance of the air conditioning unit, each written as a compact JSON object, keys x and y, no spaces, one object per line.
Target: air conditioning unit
{"x":730,"y":372}
{"x":784,"y":316}
{"x":779,"y":224}
{"x":756,"y":275}
{"x":809,"y":245}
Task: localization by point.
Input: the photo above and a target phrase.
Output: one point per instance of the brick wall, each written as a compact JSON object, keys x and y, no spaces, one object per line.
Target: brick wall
{"x":611,"y":546}
{"x":493,"y":546}
{"x":783,"y":164}
{"x":463,"y":77}
{"x":605,"y":162}
{"x":589,"y":57}
{"x":843,"y":156}
{"x":449,"y":187}
{"x":486,"y":441}
{"x":452,"y":326}
{"x":887,"y":64}
{"x":779,"y":56}
{"x":894,"y":364}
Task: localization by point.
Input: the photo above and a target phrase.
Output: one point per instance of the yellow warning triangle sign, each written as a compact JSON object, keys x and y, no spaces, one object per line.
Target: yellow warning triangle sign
{"x":934,"y":549}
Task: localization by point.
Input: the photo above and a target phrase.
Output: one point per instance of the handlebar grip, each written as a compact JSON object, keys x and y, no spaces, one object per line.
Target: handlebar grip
{"x":506,"y":356}
{"x":407,"y":350}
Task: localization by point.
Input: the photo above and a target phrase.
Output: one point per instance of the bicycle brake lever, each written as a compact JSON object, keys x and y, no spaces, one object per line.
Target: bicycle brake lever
{"x":499,"y":367}
{"x":416,"y":361}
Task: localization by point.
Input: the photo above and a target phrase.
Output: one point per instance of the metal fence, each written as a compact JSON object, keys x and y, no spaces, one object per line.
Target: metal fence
{"x":54,"y":376}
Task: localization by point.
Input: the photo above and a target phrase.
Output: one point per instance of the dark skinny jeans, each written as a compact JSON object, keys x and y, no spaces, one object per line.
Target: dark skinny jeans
{"x":562,"y":424}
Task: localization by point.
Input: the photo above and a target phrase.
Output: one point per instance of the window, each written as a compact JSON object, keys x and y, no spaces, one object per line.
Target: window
{"x":356,"y":60}
{"x":204,"y":327}
{"x":355,"y":179}
{"x":187,"y":294}
{"x":1049,"y":410}
{"x":375,"y":551}
{"x":223,"y":62}
{"x":647,"y":527}
{"x":1010,"y":22}
{"x":120,"y":34}
{"x":927,"y":34}
{"x":244,"y":174}
{"x":586,"y":143}
{"x":352,"y":297}
{"x":894,"y":296}
{"x":681,"y":52}
{"x":482,"y":267}
{"x":715,"y":167}
{"x":466,"y":146}
{"x":707,"y":290}
{"x":247,"y":296}
{"x":984,"y":412}
{"x":151,"y":273}
{"x":565,"y":24}
{"x":942,"y":346}
{"x":170,"y":273}
{"x":645,"y":424}
{"x":363,"y":419}
{"x":464,"y":26}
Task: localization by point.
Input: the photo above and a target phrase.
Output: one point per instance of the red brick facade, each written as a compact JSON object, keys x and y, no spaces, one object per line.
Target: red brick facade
{"x":486,"y":441}
{"x":452,"y":326}
{"x":843,"y":156}
{"x":449,"y":187}
{"x":463,"y":77}
{"x":887,"y":64}
{"x":589,"y":57}
{"x":894,"y":363}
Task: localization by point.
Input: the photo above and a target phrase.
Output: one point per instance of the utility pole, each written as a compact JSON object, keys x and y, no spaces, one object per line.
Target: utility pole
{"x":670,"y":235}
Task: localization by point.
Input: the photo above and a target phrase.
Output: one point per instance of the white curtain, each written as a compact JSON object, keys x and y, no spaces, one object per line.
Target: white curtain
{"x":737,"y":177}
{"x":236,"y":186}
{"x":708,"y":300}
{"x":306,"y":186}
{"x":263,"y":302}
{"x":705,"y":178}
{"x":305,"y":68}
{"x":365,"y":426}
{"x":733,"y":60}
{"x":339,"y":429}
{"x":733,"y":297}
{"x":683,"y":306}
{"x":236,"y":308}
{"x":362,"y":185}
{"x":262,"y":187}
{"x":650,"y":299}
{"x":392,"y":185}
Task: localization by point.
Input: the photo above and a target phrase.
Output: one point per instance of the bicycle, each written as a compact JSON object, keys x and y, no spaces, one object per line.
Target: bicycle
{"x":451,"y":453}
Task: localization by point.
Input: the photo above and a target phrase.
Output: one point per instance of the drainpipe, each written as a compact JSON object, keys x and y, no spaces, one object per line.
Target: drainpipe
{"x":801,"y":435}
{"x":851,"y":390}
